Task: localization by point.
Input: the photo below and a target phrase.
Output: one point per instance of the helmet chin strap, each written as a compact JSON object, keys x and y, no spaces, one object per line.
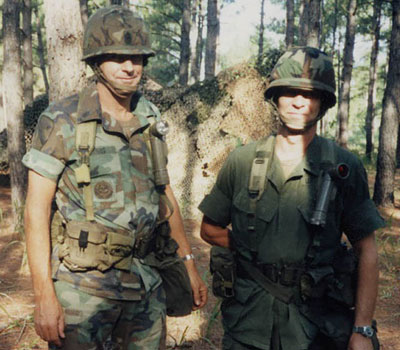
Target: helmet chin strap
{"x":120,"y":90}
{"x":296,"y":126}
{"x":299,"y":126}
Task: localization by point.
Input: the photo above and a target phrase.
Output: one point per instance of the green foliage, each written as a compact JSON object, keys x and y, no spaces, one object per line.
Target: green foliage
{"x":268,"y":60}
{"x":163,"y":18}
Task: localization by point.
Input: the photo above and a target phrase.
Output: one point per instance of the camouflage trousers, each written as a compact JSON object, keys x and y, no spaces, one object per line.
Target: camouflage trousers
{"x":93,"y":323}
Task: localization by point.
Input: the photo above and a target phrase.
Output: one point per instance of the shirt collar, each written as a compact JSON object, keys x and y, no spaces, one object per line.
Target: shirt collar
{"x":89,"y":109}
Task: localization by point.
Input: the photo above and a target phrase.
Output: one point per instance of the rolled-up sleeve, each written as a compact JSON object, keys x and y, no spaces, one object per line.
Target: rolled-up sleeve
{"x":43,"y":164}
{"x":47,"y":153}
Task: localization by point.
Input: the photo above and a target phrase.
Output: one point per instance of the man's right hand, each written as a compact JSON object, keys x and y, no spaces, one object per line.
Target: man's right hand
{"x":49,"y":319}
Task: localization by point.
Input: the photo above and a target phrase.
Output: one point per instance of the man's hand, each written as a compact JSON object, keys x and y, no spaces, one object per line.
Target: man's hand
{"x":359,"y":342}
{"x":49,"y":319}
{"x":199,"y":289}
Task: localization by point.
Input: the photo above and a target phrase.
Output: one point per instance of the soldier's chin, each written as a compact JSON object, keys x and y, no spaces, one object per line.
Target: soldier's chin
{"x":296,"y":129}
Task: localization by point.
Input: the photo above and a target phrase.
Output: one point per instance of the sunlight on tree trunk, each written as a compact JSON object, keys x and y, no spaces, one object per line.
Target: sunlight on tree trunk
{"x":289,"y":38}
{"x":41,"y":49}
{"x":261,"y":34}
{"x":185,"y":45}
{"x":344,"y":105}
{"x":64,"y":47}
{"x":197,"y":53}
{"x":386,"y":164}
{"x":304,"y":22}
{"x":83,"y":4}
{"x":369,"y":119}
{"x":212,"y":38}
{"x":27,"y":48}
{"x":314,"y":27}
{"x":13,"y":103}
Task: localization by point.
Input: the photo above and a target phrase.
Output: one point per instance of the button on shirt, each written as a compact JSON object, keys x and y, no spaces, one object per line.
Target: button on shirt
{"x":282,"y":234}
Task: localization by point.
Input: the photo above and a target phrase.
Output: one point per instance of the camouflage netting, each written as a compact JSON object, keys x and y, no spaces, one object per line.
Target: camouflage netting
{"x":31,"y":115}
{"x":207,"y":121}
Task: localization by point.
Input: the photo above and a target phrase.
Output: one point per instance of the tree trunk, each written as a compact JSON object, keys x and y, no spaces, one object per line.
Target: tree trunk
{"x":335,"y":25}
{"x":84,"y":11}
{"x":386,"y":165}
{"x":198,"y":52}
{"x":64,"y":48}
{"x":13,"y":103}
{"x":27,"y":47}
{"x":261,"y":34}
{"x":373,"y":67}
{"x":289,"y":38}
{"x":212,"y":38}
{"x":304,"y":22}
{"x":344,"y":106}
{"x":314,"y":27}
{"x":398,"y":149}
{"x":184,"y":58}
{"x":41,"y":50}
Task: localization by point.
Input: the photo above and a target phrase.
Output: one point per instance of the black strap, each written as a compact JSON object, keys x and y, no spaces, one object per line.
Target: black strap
{"x":282,"y":293}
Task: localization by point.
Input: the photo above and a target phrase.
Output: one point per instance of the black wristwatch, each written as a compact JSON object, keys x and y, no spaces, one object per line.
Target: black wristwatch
{"x":366,"y":331}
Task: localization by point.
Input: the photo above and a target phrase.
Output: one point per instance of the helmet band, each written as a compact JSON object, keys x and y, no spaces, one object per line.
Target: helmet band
{"x":120,"y":90}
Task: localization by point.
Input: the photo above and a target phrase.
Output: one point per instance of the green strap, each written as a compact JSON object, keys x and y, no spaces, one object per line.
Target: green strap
{"x":84,"y":144}
{"x":258,"y":181}
{"x":328,"y":154}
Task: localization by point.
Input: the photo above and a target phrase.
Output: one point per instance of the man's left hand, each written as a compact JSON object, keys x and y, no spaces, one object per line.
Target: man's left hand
{"x":199,"y":288}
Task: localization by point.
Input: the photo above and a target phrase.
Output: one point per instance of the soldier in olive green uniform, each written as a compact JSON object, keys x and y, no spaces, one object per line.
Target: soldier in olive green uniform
{"x":288,"y":198}
{"x":90,"y":152}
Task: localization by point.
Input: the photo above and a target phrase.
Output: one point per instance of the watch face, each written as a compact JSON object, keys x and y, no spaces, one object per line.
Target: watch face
{"x":366,"y":331}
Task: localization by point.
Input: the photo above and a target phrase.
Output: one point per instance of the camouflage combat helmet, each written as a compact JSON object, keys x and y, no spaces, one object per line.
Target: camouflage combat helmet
{"x":115,"y":30}
{"x":305,"y":68}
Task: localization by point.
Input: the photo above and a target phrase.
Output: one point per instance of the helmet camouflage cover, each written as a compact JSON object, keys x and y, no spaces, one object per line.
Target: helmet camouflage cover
{"x":115,"y":30}
{"x":305,"y":68}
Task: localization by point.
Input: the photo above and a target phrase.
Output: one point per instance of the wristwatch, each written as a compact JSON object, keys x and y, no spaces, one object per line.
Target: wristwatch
{"x":366,"y":331}
{"x":188,"y":257}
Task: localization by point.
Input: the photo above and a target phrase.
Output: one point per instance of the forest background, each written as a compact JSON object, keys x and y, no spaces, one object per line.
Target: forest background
{"x":208,"y":77}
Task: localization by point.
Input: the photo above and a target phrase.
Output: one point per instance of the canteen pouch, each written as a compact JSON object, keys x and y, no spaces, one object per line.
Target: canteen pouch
{"x":87,"y":246}
{"x":173,"y":272}
{"x":223,"y":270}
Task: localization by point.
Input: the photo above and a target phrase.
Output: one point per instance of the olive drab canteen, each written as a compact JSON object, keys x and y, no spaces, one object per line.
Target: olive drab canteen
{"x":115,"y":30}
{"x":305,"y":68}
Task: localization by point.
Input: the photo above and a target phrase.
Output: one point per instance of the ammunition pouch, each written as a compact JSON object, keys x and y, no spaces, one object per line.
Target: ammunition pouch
{"x":336,"y":283}
{"x":287,"y":275}
{"x":86,"y":246}
{"x":223,"y":269}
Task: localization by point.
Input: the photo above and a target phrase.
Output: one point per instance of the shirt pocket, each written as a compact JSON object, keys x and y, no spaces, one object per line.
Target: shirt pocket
{"x":106,"y":178}
{"x":243,"y":218}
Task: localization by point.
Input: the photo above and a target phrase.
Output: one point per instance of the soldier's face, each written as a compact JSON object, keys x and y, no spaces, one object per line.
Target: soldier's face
{"x":298,"y":107}
{"x":123,"y":69}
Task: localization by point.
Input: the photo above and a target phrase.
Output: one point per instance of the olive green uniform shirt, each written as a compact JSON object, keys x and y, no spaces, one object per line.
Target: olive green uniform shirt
{"x":122,"y":182}
{"x":283,"y":234}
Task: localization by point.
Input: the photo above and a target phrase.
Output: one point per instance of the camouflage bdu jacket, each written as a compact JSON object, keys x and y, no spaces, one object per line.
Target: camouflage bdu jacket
{"x":124,"y":196}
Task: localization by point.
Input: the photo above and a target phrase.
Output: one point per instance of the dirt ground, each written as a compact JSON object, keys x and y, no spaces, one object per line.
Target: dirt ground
{"x":202,"y":329}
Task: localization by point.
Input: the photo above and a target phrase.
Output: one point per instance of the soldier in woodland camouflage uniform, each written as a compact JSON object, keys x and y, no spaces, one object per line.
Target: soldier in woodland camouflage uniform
{"x":88,"y":285}
{"x":293,"y":287}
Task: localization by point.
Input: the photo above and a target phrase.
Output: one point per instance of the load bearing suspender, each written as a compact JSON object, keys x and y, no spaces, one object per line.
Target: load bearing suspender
{"x":84,"y":144}
{"x":258,"y":177}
